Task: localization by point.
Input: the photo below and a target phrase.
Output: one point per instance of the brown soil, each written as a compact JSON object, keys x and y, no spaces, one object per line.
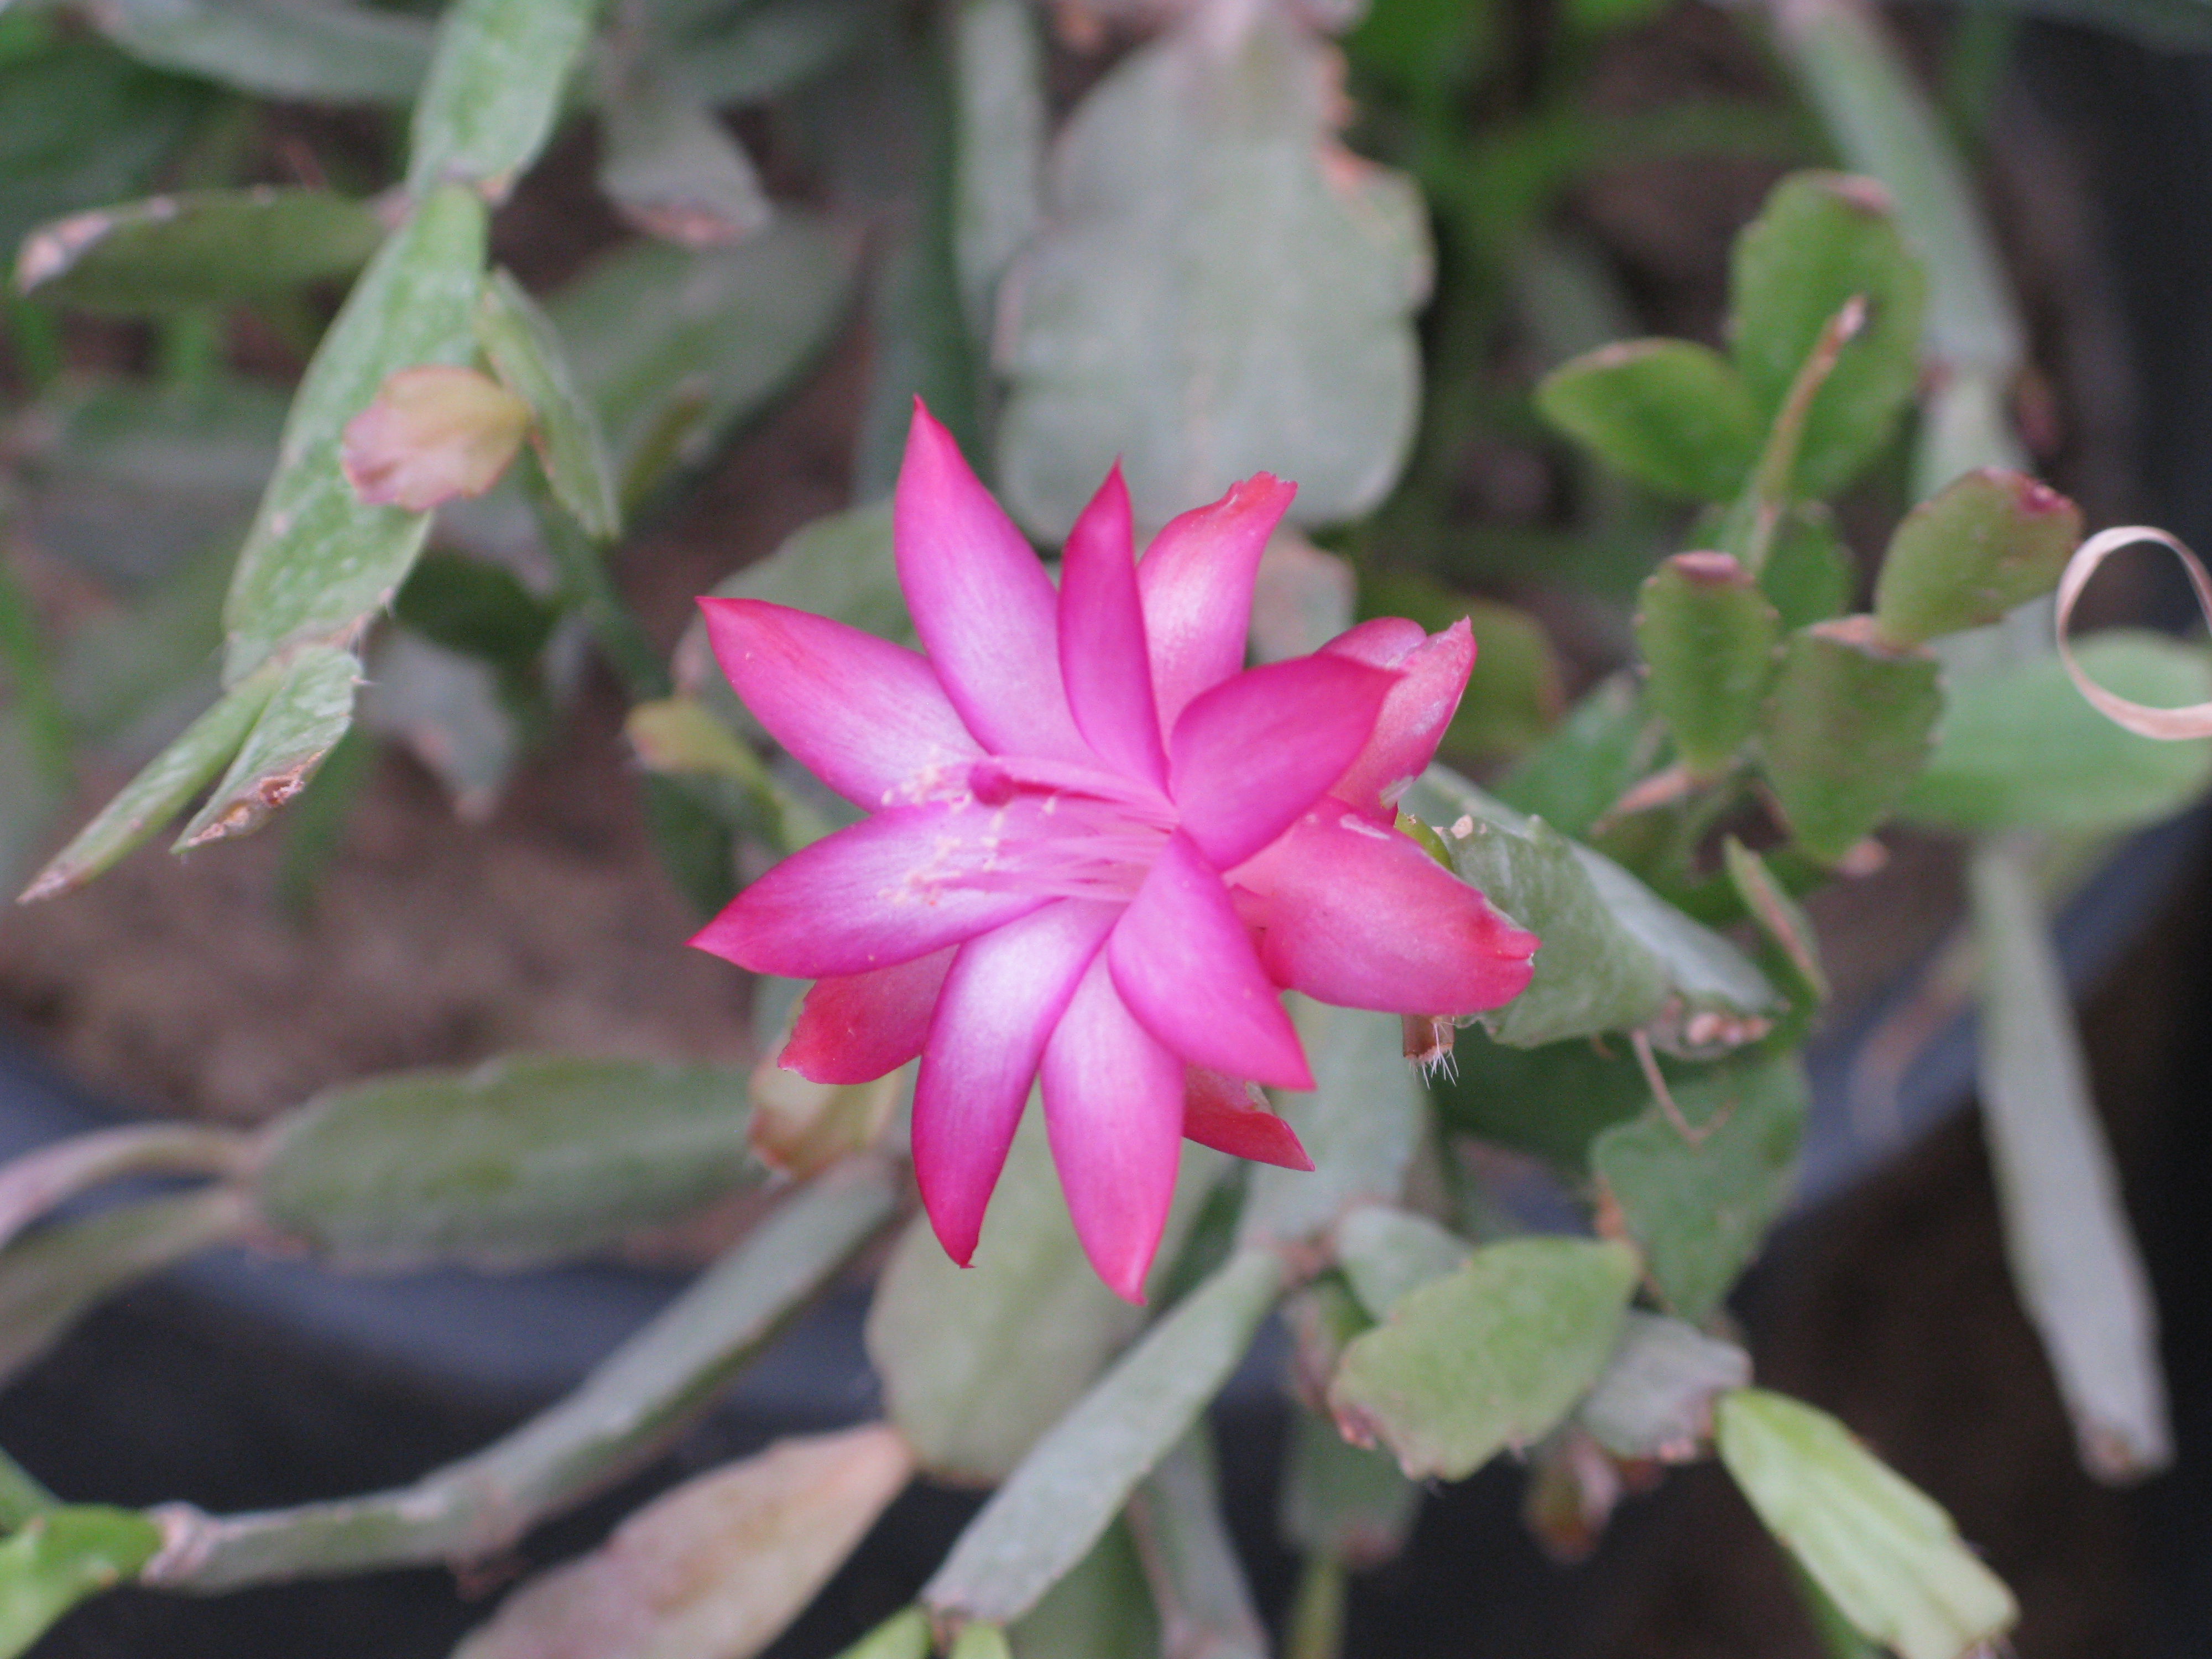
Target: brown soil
{"x":188,"y":987}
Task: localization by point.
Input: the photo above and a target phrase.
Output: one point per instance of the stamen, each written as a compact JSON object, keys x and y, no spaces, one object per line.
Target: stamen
{"x":1057,"y":845}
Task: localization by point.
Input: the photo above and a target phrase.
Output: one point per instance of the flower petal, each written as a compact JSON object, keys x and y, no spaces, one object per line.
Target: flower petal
{"x":1361,"y":917}
{"x":1251,"y":755}
{"x":872,"y":896}
{"x":1112,"y":1113}
{"x":1196,"y":580}
{"x":1219,"y":1112}
{"x":1006,"y":991}
{"x":859,"y":713}
{"x":981,"y":602}
{"x":1185,"y":965}
{"x":1380,"y":641}
{"x":1432,"y":672}
{"x":1101,"y":638}
{"x":857,"y":1027}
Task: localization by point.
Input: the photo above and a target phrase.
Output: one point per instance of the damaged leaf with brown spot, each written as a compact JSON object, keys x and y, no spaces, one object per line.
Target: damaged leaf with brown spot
{"x":160,"y":791}
{"x":197,"y":248}
{"x":304,"y":717}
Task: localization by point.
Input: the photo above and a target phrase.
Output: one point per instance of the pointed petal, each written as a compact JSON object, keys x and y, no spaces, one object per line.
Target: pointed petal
{"x":1219,"y":1112}
{"x":1007,"y":991}
{"x":1361,"y":917}
{"x":1112,"y":1113}
{"x":859,"y":713}
{"x":857,"y":1027}
{"x":1380,"y":641}
{"x":1196,"y":580}
{"x":981,"y":602}
{"x":1101,"y":638}
{"x":1431,"y":676}
{"x":872,"y":895}
{"x":1185,"y":965}
{"x":1251,"y":755}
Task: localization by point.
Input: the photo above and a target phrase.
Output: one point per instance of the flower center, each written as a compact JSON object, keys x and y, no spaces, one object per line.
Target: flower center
{"x":1050,"y":828}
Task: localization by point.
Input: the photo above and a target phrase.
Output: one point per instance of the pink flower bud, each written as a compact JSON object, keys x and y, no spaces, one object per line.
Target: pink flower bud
{"x":433,"y":433}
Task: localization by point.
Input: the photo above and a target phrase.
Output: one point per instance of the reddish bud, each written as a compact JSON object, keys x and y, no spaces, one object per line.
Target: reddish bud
{"x":433,"y":433}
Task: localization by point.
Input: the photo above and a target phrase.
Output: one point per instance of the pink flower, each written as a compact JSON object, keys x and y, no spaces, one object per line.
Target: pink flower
{"x":1099,"y":847}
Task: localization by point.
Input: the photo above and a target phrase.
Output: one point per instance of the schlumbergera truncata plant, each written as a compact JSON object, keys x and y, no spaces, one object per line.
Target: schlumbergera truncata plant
{"x":1127,"y":961}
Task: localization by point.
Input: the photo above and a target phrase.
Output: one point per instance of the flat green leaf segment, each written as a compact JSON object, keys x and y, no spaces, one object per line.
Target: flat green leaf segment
{"x":1879,"y":116}
{"x":1696,"y":1189}
{"x":306,"y":714}
{"x":317,"y":562}
{"x":524,"y":352}
{"x":2019,"y":749}
{"x":197,"y":248}
{"x":1065,"y":1493}
{"x":1616,"y":956}
{"x":977,"y":1363}
{"x":999,"y":148}
{"x":1710,"y":639}
{"x":2073,"y":1254}
{"x":1190,"y":1562}
{"x":1341,"y":1502}
{"x":670,"y":346}
{"x":1655,"y":1397}
{"x":21,"y":1495}
{"x":713,"y":1569}
{"x":1685,"y":420}
{"x":493,"y":91}
{"x":1822,"y":239}
{"x":1207,"y":249}
{"x":1810,"y":575}
{"x":672,"y":168}
{"x":56,"y":1559}
{"x":1969,"y":554}
{"x":766,"y":47}
{"x":528,"y":1159}
{"x":1491,"y":1356}
{"x":1385,"y":1253}
{"x":902,"y":1636}
{"x":1844,"y":731}
{"x":35,"y":1184}
{"x":633,"y":1404}
{"x":1887,"y":1557}
{"x":1671,"y":414}
{"x":1100,"y":1610}
{"x":54,"y":1278}
{"x":161,"y":788}
{"x":334,"y":53}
